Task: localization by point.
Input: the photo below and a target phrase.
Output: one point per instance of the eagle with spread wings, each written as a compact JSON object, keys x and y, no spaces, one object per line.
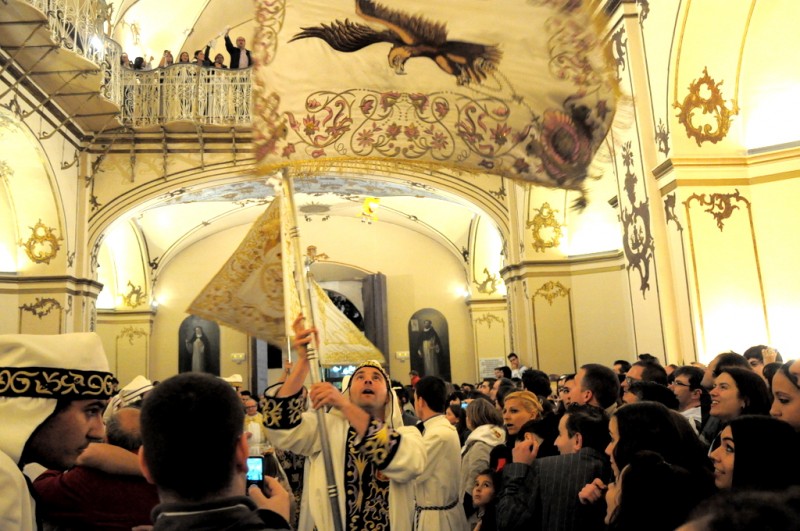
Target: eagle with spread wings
{"x":410,"y":36}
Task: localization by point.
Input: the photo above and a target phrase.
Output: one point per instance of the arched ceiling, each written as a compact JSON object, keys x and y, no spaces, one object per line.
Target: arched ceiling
{"x":148,"y":27}
{"x":170,"y":224}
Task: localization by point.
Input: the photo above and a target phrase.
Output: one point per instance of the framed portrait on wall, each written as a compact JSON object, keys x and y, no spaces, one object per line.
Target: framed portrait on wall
{"x":429,"y":343}
{"x":198,"y":346}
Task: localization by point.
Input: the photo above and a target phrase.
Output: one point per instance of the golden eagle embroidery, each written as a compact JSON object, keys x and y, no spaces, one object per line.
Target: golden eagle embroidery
{"x":410,"y":36}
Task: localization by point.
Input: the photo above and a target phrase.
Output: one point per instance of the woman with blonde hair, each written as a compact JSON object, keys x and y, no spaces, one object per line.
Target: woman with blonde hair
{"x":519,"y":407}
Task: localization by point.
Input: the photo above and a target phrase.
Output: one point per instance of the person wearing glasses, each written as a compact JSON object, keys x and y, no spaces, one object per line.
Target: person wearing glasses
{"x":646,"y":371}
{"x":693,"y":400}
{"x":254,"y":424}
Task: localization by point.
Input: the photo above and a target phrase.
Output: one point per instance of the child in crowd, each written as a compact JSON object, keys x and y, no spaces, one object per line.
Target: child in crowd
{"x":483,"y":499}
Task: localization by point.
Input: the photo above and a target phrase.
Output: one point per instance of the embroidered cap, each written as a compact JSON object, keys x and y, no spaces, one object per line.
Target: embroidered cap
{"x":38,"y":370}
{"x":375,"y":365}
{"x":54,"y":366}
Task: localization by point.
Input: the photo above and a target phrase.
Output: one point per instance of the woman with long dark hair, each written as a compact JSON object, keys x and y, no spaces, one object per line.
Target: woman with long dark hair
{"x":786,"y":396}
{"x":650,"y":494}
{"x":741,"y":460}
{"x":737,"y":392}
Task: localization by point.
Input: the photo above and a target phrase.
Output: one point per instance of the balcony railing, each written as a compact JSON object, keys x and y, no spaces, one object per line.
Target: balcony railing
{"x":186,"y":92}
{"x":181,"y":92}
{"x":77,"y":25}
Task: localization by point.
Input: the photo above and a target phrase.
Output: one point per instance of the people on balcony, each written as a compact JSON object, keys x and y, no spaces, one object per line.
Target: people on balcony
{"x":184,"y":58}
{"x":124,"y":61}
{"x":166,"y":59}
{"x":201,"y":58}
{"x":240,"y":56}
{"x":219,"y":61}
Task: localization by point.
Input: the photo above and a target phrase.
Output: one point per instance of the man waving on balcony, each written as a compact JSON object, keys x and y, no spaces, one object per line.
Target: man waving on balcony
{"x":240,"y":56}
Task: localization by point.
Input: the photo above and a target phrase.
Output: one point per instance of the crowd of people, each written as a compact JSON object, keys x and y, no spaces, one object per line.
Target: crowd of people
{"x":239,"y":57}
{"x":629,"y":447}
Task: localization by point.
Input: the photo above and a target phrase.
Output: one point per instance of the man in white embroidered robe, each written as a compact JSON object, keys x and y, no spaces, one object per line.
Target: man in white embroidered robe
{"x":438,"y":489}
{"x":375,"y":458}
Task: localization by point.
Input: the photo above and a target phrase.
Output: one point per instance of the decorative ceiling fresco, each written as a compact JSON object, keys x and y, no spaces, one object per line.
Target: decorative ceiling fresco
{"x":313,"y":186}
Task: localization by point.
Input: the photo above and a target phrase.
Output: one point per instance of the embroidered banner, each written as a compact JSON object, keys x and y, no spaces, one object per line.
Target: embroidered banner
{"x":255,"y":289}
{"x":520,"y":88}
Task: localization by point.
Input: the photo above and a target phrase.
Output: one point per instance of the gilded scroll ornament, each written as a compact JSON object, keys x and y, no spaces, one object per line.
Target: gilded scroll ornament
{"x":662,"y":138}
{"x":551,"y":290}
{"x":705,"y":95}
{"x":94,"y":261}
{"x":489,"y":284}
{"x":488,"y":319}
{"x":619,"y":45}
{"x":42,"y":246}
{"x":41,"y":307}
{"x":546,"y":228}
{"x":720,"y":206}
{"x":6,"y":171}
{"x":669,"y":211}
{"x":638,"y":243}
{"x":131,"y":333}
{"x":135,"y":296}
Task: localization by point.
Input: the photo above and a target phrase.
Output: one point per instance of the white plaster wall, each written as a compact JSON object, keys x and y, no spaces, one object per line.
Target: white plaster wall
{"x":420,"y":273}
{"x":602,"y":318}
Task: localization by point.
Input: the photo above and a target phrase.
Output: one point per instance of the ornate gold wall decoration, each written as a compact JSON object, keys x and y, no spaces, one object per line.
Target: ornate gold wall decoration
{"x":662,"y":138}
{"x":6,"y":171}
{"x":644,"y":10}
{"x":719,"y":205}
{"x":546,"y":228}
{"x":41,"y":307}
{"x":42,"y":246}
{"x":551,"y":290}
{"x":489,"y":284}
{"x":94,"y":262}
{"x":488,"y":319}
{"x":713,"y":104}
{"x":669,"y":211}
{"x":313,"y":256}
{"x":638,"y":243}
{"x":619,"y":45}
{"x":135,"y":296}
{"x":130,"y":333}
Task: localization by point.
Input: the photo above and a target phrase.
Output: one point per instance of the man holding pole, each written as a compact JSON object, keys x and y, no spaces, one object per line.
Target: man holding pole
{"x":375,"y":458}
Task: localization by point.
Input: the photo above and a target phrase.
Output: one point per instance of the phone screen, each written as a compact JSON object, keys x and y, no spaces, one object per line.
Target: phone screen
{"x":255,"y":471}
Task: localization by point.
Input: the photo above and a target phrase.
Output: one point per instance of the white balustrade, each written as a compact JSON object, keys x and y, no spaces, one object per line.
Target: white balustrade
{"x":186,"y":92}
{"x":181,"y":92}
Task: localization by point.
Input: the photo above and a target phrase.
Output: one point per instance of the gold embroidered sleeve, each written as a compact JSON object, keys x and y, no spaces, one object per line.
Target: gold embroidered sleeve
{"x":283,"y":413}
{"x":380,"y":443}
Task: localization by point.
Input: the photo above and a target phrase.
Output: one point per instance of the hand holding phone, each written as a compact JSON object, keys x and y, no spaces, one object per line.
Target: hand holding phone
{"x":255,"y":471}
{"x":274,"y":497}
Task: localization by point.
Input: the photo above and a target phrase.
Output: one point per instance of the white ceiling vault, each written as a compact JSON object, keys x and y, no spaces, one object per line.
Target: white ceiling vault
{"x":148,"y":27}
{"x":171,"y":223}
